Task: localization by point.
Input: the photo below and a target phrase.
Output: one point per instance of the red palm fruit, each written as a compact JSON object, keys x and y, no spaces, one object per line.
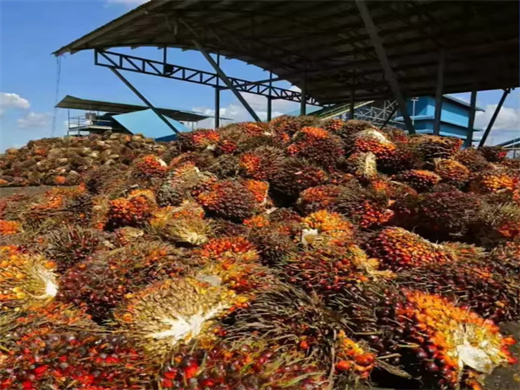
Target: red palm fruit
{"x":260,"y":163}
{"x":395,"y":134}
{"x":353,"y":357}
{"x":227,"y":199}
{"x":447,"y":215}
{"x":472,"y":159}
{"x":317,"y":145}
{"x":420,"y":180}
{"x":507,"y":255}
{"x":259,"y":189}
{"x":373,"y":141}
{"x":201,"y":139}
{"x":401,"y":159}
{"x":284,"y":127}
{"x":149,"y":166}
{"x":452,"y":172}
{"x":134,"y":210}
{"x":333,"y":125}
{"x":353,"y":126}
{"x":320,"y":197}
{"x":8,"y":228}
{"x":241,"y":364}
{"x":494,"y":181}
{"x":326,"y":227}
{"x":493,"y":154}
{"x":398,"y":248}
{"x":430,"y":147}
{"x":294,"y":175}
{"x":497,"y":224}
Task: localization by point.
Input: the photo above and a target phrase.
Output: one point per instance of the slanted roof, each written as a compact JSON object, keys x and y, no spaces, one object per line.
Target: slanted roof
{"x":461,"y":102}
{"x":119,"y":108}
{"x":326,"y":41}
{"x":146,"y":122}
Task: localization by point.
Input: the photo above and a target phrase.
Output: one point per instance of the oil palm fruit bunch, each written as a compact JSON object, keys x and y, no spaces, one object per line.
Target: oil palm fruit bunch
{"x":474,"y":284}
{"x":398,"y":248}
{"x":353,"y":126}
{"x":183,"y":224}
{"x":374,"y":141}
{"x":107,"y":179}
{"x":430,"y":147}
{"x":8,"y":228}
{"x":326,"y":227}
{"x":284,"y":126}
{"x":419,"y":179}
{"x":333,"y":125}
{"x":227,"y":199}
{"x":134,"y":210}
{"x":402,"y":159}
{"x":71,"y":244}
{"x":179,"y":183}
{"x":149,"y":166}
{"x":62,"y":348}
{"x":172,"y":312}
{"x":497,"y":224}
{"x":507,"y":255}
{"x":259,"y":189}
{"x":494,"y":181}
{"x":236,"y":138}
{"x":260,"y":163}
{"x":294,"y":175}
{"x":472,"y":158}
{"x":201,"y":139}
{"x":362,"y":165}
{"x":317,"y":145}
{"x":241,"y":365}
{"x":447,"y":215}
{"x":452,"y":172}
{"x":493,"y":154}
{"x":25,"y":279}
{"x":395,"y":134}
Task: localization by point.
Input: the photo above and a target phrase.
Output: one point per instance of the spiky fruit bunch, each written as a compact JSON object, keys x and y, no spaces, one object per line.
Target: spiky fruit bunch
{"x":227,"y":199}
{"x":430,"y":147}
{"x":452,"y":172}
{"x":172,"y":311}
{"x":375,"y":142}
{"x":352,"y":357}
{"x":447,"y":215}
{"x":402,"y":159}
{"x":260,"y":163}
{"x":507,"y":255}
{"x":233,"y":262}
{"x":395,"y":134}
{"x":398,"y":248}
{"x":62,"y":348}
{"x":494,"y":181}
{"x":362,"y":165}
{"x":493,"y":154}
{"x":326,"y":227}
{"x":456,"y":344}
{"x":274,"y":246}
{"x":8,"y":228}
{"x":134,"y":210}
{"x":25,"y":279}
{"x":327,"y":269}
{"x":320,"y":197}
{"x":259,"y":189}
{"x":497,"y":224}
{"x":354,"y":126}
{"x":333,"y":125}
{"x":317,"y":145}
{"x":472,"y":158}
{"x":254,"y":129}
{"x":179,"y":183}
{"x":418,"y":179}
{"x":473,"y":284}
{"x":230,"y":366}
{"x":183,"y":224}
{"x":294,"y":175}
{"x":70,"y":245}
{"x":284,"y":127}
{"x":149,"y":166}
{"x":107,"y":179}
{"x":199,"y":140}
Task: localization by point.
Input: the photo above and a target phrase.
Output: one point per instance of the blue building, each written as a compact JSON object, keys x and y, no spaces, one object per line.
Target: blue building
{"x":454,"y":116}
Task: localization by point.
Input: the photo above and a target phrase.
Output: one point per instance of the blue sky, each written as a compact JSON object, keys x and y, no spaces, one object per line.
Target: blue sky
{"x":31,"y":30}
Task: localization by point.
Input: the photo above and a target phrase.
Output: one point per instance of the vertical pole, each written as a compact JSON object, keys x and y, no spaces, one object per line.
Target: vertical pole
{"x":217,"y":98}
{"x":68,"y":122}
{"x":352,"y":102}
{"x":389,"y":117}
{"x":494,"y":117}
{"x":164,"y":58}
{"x":471,"y":120}
{"x":385,"y":63}
{"x":438,"y":94}
{"x":269,"y":99}
{"x":303,"y":103}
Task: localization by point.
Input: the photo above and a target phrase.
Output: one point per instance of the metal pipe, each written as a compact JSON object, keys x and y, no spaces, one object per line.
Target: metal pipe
{"x":389,"y":74}
{"x":471,"y":120}
{"x":145,"y":101}
{"x":494,"y":117}
{"x":217,"y":98}
{"x":438,"y":94}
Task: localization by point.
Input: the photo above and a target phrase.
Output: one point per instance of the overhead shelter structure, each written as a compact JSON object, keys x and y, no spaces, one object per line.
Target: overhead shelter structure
{"x":334,"y":51}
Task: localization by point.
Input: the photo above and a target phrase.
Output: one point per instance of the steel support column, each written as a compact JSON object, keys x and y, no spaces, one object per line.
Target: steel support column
{"x":385,"y":64}
{"x":217,"y":98}
{"x":269,"y":99}
{"x":389,"y":116}
{"x":494,"y":117}
{"x":145,"y":101}
{"x":438,"y":93}
{"x":352,"y":102}
{"x":471,"y":120}
{"x":303,"y":103}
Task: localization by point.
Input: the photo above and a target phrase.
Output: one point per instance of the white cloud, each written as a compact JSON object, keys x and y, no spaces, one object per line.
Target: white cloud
{"x":12,"y":101}
{"x":34,"y":120}
{"x":128,"y":3}
{"x":508,"y":118}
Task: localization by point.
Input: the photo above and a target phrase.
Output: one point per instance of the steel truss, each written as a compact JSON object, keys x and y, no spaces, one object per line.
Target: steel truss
{"x":129,"y":63}
{"x":379,"y":113}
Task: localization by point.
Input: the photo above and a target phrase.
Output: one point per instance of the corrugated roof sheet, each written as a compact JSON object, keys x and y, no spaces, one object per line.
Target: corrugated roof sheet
{"x":146,"y":122}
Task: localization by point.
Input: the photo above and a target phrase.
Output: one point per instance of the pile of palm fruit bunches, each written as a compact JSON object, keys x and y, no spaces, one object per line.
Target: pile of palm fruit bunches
{"x":295,"y":254}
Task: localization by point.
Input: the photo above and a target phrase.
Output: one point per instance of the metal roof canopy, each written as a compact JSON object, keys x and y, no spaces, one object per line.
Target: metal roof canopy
{"x":73,"y":102}
{"x":324,"y":48}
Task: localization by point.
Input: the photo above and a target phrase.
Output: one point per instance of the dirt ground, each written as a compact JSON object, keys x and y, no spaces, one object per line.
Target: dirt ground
{"x":504,"y":378}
